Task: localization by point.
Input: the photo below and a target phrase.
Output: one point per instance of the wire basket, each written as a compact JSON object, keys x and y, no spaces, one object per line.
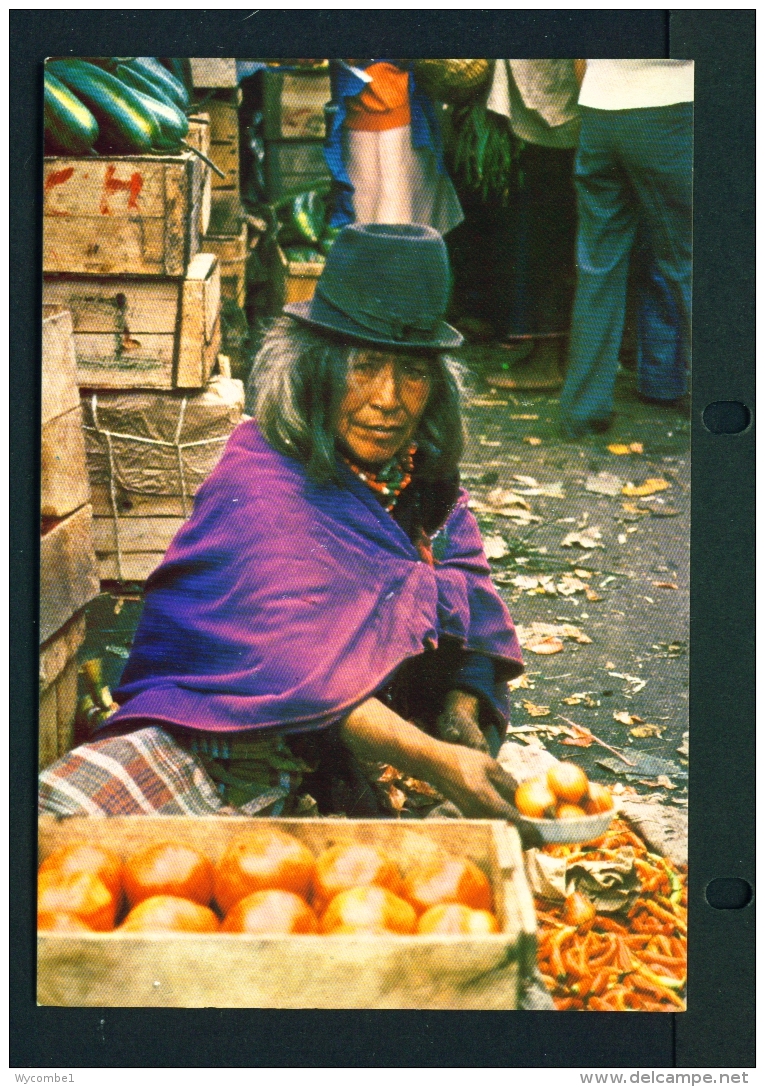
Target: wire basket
{"x":455,"y":82}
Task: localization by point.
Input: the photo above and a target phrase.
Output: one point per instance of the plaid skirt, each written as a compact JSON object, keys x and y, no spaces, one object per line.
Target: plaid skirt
{"x":149,"y":772}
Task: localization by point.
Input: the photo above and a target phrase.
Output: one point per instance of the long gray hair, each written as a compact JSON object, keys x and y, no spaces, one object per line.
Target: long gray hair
{"x":297,"y":383}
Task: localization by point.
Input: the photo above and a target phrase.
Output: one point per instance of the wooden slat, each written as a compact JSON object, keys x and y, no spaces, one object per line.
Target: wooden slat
{"x":68,"y":576}
{"x":64,"y":483}
{"x":128,"y":215}
{"x":134,"y":567}
{"x":56,"y":653}
{"x":66,"y":707}
{"x":199,"y":136}
{"x":141,"y":361}
{"x":226,"y":158}
{"x":116,"y":305}
{"x":213,"y":72}
{"x":59,"y":367}
{"x":224,"y":121}
{"x":479,"y":973}
{"x":135,"y":533}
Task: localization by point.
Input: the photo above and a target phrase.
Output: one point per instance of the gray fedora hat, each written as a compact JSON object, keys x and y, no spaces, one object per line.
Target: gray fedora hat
{"x":386,"y":285}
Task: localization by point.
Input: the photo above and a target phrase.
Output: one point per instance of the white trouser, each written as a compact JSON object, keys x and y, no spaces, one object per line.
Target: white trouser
{"x":397,"y":183}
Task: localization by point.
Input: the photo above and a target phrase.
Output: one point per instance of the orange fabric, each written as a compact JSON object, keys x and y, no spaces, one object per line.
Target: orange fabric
{"x":384,"y":103}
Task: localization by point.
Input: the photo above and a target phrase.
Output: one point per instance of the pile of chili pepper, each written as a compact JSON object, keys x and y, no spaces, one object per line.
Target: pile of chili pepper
{"x":631,"y":961}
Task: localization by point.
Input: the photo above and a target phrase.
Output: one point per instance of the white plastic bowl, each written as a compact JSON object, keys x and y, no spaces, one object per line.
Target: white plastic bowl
{"x":570,"y":831}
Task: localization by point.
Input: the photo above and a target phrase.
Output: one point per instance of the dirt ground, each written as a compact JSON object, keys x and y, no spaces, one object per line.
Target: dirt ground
{"x":637,"y":660}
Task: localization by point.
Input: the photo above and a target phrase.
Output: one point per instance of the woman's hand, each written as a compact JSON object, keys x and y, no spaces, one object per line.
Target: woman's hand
{"x":476,"y":783}
{"x":471,"y":779}
{"x":458,"y":723}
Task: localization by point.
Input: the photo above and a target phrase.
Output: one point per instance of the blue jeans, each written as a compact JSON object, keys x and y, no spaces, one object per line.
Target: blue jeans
{"x":633,"y":169}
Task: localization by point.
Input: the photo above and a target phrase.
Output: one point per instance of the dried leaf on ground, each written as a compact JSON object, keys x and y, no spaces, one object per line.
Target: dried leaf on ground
{"x":664,"y":781}
{"x":540,"y":637}
{"x":529,"y":418}
{"x":486,"y":403}
{"x":396,"y":797}
{"x":485,"y":441}
{"x":500,"y":497}
{"x":637,"y":511}
{"x":582,"y":699}
{"x":624,"y":717}
{"x":495,"y":547}
{"x":526,"y":481}
{"x":635,"y":682}
{"x":521,"y":681}
{"x":544,"y":646}
{"x":581,"y":572}
{"x":587,"y":538}
{"x":604,"y":483}
{"x":621,"y":449}
{"x":640,"y":490}
{"x":578,"y":736}
{"x":664,"y":585}
{"x":591,"y":595}
{"x":568,"y":585}
{"x":683,"y":748}
{"x":532,"y":441}
{"x":641,"y":732}
{"x":536,"y":711}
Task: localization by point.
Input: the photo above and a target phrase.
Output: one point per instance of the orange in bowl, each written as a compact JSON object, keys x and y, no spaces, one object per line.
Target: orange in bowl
{"x":168,"y":868}
{"x":352,"y":865}
{"x":599,"y":799}
{"x":367,"y":910}
{"x":454,"y":919}
{"x":168,"y":913}
{"x":263,"y":913}
{"x":266,"y":859}
{"x":568,"y":782}
{"x":570,"y":811}
{"x":447,"y":879}
{"x":535,"y":799}
{"x":80,"y":857}
{"x":82,"y":894}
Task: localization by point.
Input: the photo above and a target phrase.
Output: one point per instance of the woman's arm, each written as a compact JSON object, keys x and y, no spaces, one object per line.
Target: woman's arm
{"x":471,"y":779}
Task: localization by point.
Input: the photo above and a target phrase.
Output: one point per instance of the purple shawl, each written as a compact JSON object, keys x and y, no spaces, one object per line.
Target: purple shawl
{"x":283,"y":603}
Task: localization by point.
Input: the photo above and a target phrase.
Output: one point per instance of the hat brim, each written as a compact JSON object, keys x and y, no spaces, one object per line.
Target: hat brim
{"x":444,"y":336}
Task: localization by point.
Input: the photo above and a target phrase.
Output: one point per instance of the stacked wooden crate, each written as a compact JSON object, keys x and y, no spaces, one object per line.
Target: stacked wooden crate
{"x":227,"y":235}
{"x":294,"y":104}
{"x":68,"y":571}
{"x":122,"y":251}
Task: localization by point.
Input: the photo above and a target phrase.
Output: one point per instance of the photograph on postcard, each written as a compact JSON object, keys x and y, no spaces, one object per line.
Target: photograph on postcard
{"x":365,"y":525}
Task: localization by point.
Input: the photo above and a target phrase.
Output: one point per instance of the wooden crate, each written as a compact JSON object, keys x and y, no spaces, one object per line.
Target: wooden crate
{"x":207,"y":72}
{"x":293,"y":166}
{"x":143,"y":333}
{"x":64,"y":483}
{"x":130,"y":548}
{"x":231,"y":251}
{"x":68,"y":576}
{"x":59,"y":392}
{"x":300,"y":280}
{"x":293,"y":104}
{"x":428,"y":972}
{"x":58,"y":690}
{"x":128,"y":215}
{"x":199,"y":137}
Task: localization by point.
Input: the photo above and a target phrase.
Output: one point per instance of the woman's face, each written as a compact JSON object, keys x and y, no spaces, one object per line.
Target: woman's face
{"x":386,"y":394}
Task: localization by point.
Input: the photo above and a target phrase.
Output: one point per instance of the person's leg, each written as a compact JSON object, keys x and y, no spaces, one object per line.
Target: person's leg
{"x":606,"y":232}
{"x":661,"y":362}
{"x":362,"y":163}
{"x":657,"y":151}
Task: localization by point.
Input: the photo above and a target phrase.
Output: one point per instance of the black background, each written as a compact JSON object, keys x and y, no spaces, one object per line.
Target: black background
{"x":718,"y":1029}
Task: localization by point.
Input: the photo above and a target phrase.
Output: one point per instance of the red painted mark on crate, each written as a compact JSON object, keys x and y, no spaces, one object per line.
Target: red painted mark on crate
{"x":114,"y":184}
{"x":58,"y":177}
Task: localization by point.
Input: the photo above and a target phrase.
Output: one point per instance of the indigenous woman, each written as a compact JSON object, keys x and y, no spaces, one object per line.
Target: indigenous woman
{"x":328,"y":604}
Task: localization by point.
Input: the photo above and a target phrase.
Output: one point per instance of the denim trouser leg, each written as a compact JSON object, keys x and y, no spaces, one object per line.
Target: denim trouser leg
{"x":662,"y":362}
{"x":632,"y":166}
{"x":606,"y":231}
